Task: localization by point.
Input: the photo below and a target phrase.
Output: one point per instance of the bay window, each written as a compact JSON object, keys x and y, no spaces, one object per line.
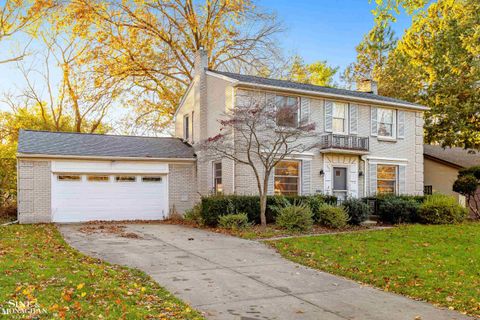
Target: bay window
{"x":287,"y":178}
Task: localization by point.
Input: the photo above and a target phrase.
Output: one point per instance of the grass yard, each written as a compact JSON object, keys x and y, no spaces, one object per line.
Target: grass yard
{"x":37,"y":265}
{"x":440,"y":264}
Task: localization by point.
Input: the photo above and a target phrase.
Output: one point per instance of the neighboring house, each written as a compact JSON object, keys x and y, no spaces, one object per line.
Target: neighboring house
{"x":368,"y":144}
{"x":441,"y":168}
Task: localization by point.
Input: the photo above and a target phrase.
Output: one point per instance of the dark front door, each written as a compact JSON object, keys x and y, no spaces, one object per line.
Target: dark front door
{"x":340,"y":182}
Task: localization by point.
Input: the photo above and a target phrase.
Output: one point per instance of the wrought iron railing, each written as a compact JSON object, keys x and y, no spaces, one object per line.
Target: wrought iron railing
{"x":427,"y":190}
{"x":346,"y":142}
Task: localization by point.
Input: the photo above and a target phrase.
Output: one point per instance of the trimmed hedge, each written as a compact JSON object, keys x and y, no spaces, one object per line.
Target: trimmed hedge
{"x":218,"y":205}
{"x":441,"y":209}
{"x":397,"y":208}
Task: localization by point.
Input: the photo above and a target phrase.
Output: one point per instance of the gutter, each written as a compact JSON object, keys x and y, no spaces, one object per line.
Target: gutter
{"x":52,"y":156}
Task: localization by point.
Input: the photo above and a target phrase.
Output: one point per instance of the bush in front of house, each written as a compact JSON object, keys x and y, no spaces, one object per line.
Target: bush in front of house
{"x":441,"y":209}
{"x":333,"y":216}
{"x":234,"y":221}
{"x":357,"y":210}
{"x":295,"y":218}
{"x":194,"y":215}
{"x":212,"y":207}
{"x":398,"y":209}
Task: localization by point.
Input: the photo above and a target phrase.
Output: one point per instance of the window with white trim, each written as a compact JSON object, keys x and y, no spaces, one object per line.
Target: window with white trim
{"x":125,"y":178}
{"x":96,"y":178}
{"x":387,"y":179}
{"x":69,"y":177}
{"x":340,"y":117}
{"x":186,"y":126}
{"x":152,"y":179}
{"x":217,"y":177}
{"x":287,"y":110}
{"x":386,"y":124}
{"x":287,"y":178}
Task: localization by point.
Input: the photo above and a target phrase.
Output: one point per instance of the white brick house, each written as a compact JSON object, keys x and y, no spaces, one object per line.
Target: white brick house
{"x":368,"y":144}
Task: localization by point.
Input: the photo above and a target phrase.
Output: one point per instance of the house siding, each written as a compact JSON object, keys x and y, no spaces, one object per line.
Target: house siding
{"x":182,"y":193}
{"x":34,"y":191}
{"x":406,"y":151}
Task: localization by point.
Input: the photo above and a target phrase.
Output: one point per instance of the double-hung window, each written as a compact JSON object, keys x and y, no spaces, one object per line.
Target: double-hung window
{"x":287,"y":177}
{"x":287,"y":111}
{"x":217,"y":177}
{"x":186,"y":126}
{"x":339,"y":117}
{"x":386,"y":123}
{"x":387,"y":179}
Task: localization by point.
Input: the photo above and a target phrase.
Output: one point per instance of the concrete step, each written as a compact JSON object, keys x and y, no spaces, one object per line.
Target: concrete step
{"x":369,"y":223}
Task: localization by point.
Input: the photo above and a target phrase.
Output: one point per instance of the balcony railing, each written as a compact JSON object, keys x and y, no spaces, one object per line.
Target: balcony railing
{"x":344,"y":142}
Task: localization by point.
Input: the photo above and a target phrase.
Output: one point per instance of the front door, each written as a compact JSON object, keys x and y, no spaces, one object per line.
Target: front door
{"x":340,"y":183}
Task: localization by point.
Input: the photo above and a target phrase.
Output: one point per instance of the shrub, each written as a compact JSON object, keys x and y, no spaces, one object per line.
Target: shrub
{"x":315,"y":203}
{"x":295,"y":218}
{"x":234,"y":221}
{"x":8,"y":212}
{"x":441,"y":209}
{"x":357,"y":210}
{"x":333,"y":217}
{"x":194,"y":215}
{"x":398,"y":209}
{"x":215,"y":206}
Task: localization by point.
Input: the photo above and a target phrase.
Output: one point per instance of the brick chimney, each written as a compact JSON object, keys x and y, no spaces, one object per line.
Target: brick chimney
{"x":367,"y":85}
{"x":201,"y":62}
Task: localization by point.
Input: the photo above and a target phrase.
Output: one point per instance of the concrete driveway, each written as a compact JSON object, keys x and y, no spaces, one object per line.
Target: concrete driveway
{"x":231,"y":278}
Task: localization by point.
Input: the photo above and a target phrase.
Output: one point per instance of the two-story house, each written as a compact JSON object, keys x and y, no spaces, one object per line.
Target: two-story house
{"x":368,"y":144}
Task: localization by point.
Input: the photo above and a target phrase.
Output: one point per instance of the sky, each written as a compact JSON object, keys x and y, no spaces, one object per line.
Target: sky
{"x":315,"y":29}
{"x":326,"y":29}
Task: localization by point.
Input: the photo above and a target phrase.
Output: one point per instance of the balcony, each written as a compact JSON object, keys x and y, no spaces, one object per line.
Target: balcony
{"x":344,"y":143}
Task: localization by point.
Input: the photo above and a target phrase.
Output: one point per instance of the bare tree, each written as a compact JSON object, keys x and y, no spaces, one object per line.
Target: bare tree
{"x":82,"y":97}
{"x":260,"y":135}
{"x":17,"y":16}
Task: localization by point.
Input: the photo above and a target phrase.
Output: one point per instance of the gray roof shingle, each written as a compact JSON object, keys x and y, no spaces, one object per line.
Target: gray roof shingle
{"x":309,"y":87}
{"x":456,"y":156}
{"x":81,"y":144}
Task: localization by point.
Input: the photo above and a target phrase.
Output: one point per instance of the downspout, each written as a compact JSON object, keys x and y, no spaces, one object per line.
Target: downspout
{"x":365,"y":175}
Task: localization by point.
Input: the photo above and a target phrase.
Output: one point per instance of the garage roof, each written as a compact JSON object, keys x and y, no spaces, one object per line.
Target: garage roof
{"x":101,"y":145}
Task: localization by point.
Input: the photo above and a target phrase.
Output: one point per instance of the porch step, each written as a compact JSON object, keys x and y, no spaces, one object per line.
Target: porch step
{"x":369,"y":223}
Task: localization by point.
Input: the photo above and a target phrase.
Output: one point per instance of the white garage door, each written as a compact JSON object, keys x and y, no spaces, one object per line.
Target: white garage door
{"x":88,"y":197}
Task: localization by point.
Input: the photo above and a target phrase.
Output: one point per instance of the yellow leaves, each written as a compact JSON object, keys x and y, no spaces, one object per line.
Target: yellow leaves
{"x":80,"y":286}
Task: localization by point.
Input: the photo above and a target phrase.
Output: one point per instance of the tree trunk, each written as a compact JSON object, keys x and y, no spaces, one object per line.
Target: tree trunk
{"x":263,"y":209}
{"x":263,"y":200}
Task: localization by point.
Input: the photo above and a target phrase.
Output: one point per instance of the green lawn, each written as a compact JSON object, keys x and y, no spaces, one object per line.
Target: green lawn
{"x":440,"y":264}
{"x":37,"y":265}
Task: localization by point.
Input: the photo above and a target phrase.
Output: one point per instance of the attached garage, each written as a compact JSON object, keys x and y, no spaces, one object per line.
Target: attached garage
{"x":102,"y":178}
{"x":99,"y":190}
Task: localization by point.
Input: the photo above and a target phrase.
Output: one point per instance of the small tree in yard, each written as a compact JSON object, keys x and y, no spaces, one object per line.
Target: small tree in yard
{"x":260,"y":135}
{"x":467,"y":184}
